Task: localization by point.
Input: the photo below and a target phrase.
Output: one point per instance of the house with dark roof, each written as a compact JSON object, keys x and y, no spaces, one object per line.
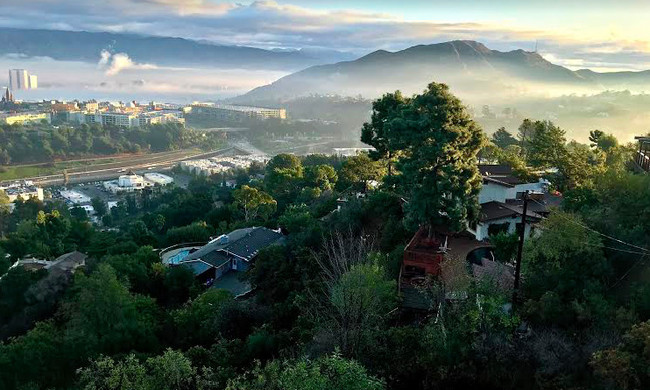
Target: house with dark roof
{"x":502,"y":205}
{"x":498,"y":217}
{"x":500,"y":183}
{"x":229,"y":252}
{"x":69,"y":261}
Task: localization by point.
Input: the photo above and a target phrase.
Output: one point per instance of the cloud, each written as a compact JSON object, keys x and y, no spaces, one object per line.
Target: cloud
{"x":105,"y":59}
{"x":270,"y":24}
{"x":113,"y":64}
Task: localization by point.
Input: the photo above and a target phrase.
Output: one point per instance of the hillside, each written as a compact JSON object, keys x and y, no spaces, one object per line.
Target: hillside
{"x":87,"y":46}
{"x":472,"y":70}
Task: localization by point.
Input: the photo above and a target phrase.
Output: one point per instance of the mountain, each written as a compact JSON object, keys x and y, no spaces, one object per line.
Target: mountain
{"x":617,"y":80}
{"x":469,"y":67}
{"x":87,"y":46}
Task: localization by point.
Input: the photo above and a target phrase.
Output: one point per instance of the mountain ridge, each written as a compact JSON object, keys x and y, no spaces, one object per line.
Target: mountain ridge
{"x":86,"y":46}
{"x":464,"y":64}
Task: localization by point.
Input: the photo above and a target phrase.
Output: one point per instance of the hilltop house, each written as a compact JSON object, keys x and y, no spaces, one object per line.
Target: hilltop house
{"x":501,"y":202}
{"x":426,"y":255}
{"x":235,"y":251}
{"x":65,"y":263}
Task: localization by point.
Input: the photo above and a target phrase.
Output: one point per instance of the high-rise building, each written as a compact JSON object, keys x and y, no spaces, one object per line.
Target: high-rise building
{"x":21,"y":79}
{"x":33,"y":81}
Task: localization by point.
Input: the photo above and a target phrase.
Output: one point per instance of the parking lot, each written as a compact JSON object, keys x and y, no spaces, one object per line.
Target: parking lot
{"x":96,"y":189}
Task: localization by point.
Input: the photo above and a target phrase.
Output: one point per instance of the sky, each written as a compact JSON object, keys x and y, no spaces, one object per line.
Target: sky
{"x":603,"y":35}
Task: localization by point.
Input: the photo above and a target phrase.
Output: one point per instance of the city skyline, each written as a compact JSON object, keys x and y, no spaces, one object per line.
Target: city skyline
{"x":573,"y":34}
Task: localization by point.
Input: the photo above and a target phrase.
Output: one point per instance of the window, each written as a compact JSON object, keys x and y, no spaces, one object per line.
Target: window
{"x":519,"y":227}
{"x":497,"y":228}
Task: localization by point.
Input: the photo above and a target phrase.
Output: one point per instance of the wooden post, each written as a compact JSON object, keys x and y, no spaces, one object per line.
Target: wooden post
{"x":522,"y":235}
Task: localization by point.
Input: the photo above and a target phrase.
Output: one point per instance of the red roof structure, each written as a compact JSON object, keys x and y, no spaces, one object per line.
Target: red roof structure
{"x":423,"y":254}
{"x":423,"y":259}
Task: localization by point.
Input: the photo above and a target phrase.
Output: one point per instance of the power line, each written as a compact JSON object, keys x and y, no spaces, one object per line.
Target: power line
{"x":627,"y":272}
{"x":596,"y":231}
{"x":616,"y":249}
{"x":637,"y":262}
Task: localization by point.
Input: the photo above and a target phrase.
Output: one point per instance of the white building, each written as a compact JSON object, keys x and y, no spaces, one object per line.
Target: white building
{"x":25,"y":117}
{"x":158,"y":179}
{"x":90,"y":210}
{"x":22,"y":190}
{"x":234,"y":112}
{"x":501,"y":202}
{"x":132,"y":182}
{"x":74,"y":197}
{"x":18,"y":79}
{"x":498,"y":190}
{"x":207,"y":167}
{"x":350,"y":152}
{"x":21,"y":79}
{"x":160,"y":117}
{"x":33,"y":81}
{"x":126,"y":119}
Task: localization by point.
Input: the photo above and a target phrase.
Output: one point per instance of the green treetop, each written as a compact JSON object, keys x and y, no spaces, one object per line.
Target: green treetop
{"x":437,"y":144}
{"x":254,"y":202}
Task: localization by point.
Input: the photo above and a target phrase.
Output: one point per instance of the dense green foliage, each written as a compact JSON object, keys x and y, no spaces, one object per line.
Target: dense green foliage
{"x":325,"y":312}
{"x":43,"y":142}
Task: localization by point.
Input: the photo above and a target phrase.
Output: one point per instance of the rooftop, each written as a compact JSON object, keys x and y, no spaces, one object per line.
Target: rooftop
{"x":499,"y":174}
{"x":69,"y":261}
{"x":541,"y":206}
{"x":243,"y":243}
{"x":494,"y":210}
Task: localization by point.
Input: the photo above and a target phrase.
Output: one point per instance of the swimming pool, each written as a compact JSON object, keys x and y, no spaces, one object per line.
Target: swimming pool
{"x":177,"y":258}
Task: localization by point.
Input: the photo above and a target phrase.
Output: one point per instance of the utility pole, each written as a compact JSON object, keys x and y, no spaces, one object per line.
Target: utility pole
{"x":522,"y":235}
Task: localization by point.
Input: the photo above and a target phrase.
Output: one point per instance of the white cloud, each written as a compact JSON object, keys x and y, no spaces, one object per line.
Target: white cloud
{"x":105,"y":59}
{"x":113,"y":64}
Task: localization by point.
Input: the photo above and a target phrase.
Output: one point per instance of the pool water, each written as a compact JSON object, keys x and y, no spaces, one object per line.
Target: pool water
{"x":177,"y":258}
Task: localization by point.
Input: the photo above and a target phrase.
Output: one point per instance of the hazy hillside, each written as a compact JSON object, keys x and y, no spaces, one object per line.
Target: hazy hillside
{"x":617,"y":80}
{"x":474,"y":71}
{"x":87,"y":46}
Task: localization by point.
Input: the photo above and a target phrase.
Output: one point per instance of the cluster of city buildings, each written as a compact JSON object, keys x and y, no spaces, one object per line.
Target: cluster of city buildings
{"x":211,"y":166}
{"x":131,"y":114}
{"x":132,"y":182}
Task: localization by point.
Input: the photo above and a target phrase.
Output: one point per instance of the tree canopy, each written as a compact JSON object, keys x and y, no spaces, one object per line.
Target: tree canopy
{"x":436,"y":144}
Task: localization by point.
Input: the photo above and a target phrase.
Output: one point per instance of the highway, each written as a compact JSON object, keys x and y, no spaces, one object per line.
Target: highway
{"x":113,"y":170}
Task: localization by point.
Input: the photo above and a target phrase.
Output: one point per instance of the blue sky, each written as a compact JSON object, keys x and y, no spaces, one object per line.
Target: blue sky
{"x":598,"y":34}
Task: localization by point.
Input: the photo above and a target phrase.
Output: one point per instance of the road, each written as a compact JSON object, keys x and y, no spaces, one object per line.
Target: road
{"x":115,"y":169}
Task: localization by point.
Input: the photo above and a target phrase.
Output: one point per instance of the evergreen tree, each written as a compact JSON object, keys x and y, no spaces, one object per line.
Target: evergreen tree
{"x":437,"y":144}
